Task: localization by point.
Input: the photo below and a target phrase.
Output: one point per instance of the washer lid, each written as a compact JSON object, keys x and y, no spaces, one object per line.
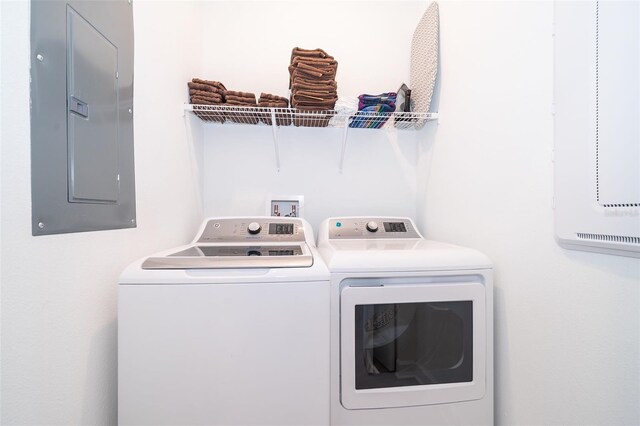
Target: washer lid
{"x":216,"y":256}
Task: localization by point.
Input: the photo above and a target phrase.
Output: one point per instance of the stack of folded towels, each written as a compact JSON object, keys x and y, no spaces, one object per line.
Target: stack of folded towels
{"x":374,"y":110}
{"x":268,"y":100}
{"x":241,"y":99}
{"x":206,"y":92}
{"x":313,"y":83}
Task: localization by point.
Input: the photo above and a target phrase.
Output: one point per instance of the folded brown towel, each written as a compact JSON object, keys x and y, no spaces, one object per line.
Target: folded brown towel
{"x":265,"y":96}
{"x":239,"y":103}
{"x":236,"y":100}
{"x":312,"y":70}
{"x":205,"y":94}
{"x":324,"y":93}
{"x":315,"y":53}
{"x":314,"y":66}
{"x":301,"y":74}
{"x":241,"y":94}
{"x":283,"y":118}
{"x":312,"y":73}
{"x":212,"y":83}
{"x":263,"y":104}
{"x":321,"y":105}
{"x":195,"y":100}
{"x":205,"y":88}
{"x":315,"y":107}
{"x":314,"y":96}
{"x":209,"y":101}
{"x":314,"y":84}
{"x":314,"y":61}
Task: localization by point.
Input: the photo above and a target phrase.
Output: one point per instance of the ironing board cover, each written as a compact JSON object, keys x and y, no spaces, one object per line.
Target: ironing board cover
{"x":424,"y":60}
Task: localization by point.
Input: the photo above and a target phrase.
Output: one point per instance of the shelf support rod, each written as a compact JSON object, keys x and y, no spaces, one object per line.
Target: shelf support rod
{"x":344,"y":141}
{"x":275,"y":138}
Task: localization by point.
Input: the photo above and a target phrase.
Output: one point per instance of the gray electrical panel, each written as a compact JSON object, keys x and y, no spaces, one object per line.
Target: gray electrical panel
{"x":82,"y":166}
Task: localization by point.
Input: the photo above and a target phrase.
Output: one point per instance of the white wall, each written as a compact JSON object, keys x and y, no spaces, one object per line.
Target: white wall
{"x":567,"y":323}
{"x":371,"y":42}
{"x":59,"y":325}
{"x":1,"y":135}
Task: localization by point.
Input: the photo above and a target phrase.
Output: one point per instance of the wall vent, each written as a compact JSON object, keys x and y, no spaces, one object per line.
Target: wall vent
{"x":609,"y":238}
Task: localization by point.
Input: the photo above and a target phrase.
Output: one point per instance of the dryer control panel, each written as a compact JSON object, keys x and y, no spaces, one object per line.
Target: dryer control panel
{"x":372,"y":228}
{"x":252,"y":229}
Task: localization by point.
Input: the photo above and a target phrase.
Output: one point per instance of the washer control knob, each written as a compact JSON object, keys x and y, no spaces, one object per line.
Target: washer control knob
{"x":254,"y":228}
{"x":372,"y":226}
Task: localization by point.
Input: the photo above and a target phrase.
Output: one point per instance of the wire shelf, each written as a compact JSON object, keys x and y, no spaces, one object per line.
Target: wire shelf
{"x":304,"y":118}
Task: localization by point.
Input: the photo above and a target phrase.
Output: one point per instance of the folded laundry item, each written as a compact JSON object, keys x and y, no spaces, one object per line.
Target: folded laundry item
{"x":211,"y":83}
{"x":314,"y":61}
{"x":205,"y":88}
{"x":283,"y":118}
{"x":311,"y":72}
{"x":234,"y":100}
{"x":314,"y":53}
{"x":196,"y":100}
{"x":207,"y":115}
{"x":272,"y":98}
{"x":205,"y":94}
{"x":345,"y":106}
{"x":204,"y":100}
{"x":323,"y":67}
{"x":307,"y":96}
{"x":305,"y":84}
{"x":239,"y":103}
{"x":316,"y":106}
{"x":265,"y":104}
{"x":371,"y":100}
{"x":241,"y":94}
{"x":298,"y":74}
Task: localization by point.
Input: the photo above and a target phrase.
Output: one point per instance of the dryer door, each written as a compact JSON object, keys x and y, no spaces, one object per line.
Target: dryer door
{"x":418,"y":344}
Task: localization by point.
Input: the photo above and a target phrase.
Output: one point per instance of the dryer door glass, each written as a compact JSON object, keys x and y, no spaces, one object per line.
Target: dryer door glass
{"x":409,"y":344}
{"x":423,"y":342}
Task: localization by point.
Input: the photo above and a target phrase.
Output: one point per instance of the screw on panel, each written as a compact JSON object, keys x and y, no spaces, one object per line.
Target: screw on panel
{"x":130,"y":111}
{"x":133,"y":221}
{"x":40,"y":225}
{"x":40,"y":57}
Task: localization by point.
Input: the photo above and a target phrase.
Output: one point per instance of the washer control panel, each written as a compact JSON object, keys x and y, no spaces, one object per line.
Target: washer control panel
{"x":371,"y":228}
{"x":261,"y":229}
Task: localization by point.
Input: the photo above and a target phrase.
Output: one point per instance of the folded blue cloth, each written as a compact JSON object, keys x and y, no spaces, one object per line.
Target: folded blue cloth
{"x":371,"y":100}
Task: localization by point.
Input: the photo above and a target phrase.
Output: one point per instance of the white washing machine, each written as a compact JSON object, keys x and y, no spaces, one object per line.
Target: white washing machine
{"x":411,"y":326}
{"x":232,"y":329}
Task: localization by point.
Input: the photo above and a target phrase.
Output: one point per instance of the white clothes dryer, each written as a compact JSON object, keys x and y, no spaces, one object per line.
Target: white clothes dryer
{"x":232,"y":329}
{"x":411,"y":326}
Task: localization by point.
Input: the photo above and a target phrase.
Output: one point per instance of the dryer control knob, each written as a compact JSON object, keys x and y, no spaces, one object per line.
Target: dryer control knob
{"x":372,"y":226}
{"x":254,"y":228}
